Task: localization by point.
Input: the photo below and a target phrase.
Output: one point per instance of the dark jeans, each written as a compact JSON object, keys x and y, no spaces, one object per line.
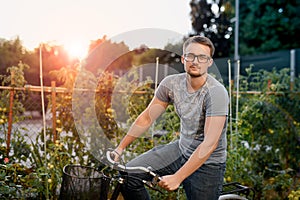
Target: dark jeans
{"x":203,"y":184}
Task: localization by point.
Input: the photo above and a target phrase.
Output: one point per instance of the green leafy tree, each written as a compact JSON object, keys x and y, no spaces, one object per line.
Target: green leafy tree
{"x":212,"y":19}
{"x":264,"y":25}
{"x":107,"y":56}
{"x":11,"y":53}
{"x":54,"y":57}
{"x":269,"y":25}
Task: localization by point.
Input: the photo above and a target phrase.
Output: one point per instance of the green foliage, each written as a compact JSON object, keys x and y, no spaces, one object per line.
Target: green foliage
{"x":170,"y":122}
{"x":11,"y":52}
{"x":58,"y":154}
{"x":263,"y":154}
{"x":15,"y":79}
{"x":40,"y":171}
{"x":103,"y":98}
{"x":65,"y":122}
{"x":66,"y":75}
{"x":132,"y":97}
{"x":17,"y":181}
{"x":108,"y":56}
{"x":265,"y":149}
{"x":214,"y":24}
{"x":280,"y":18}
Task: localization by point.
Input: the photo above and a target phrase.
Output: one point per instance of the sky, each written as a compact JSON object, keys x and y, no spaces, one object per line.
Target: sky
{"x":74,"y":23}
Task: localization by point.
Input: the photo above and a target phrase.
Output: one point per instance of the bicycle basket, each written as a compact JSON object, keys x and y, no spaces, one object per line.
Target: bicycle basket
{"x":83,"y":182}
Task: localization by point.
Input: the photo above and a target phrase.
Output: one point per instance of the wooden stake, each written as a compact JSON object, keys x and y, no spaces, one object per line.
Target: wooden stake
{"x":10,"y":114}
{"x":53,"y":99}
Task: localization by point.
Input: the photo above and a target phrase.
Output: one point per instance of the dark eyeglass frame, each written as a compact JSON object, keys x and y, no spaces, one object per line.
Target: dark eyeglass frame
{"x":190,"y":57}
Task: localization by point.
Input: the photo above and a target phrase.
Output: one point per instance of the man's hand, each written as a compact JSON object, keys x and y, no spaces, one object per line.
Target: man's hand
{"x":169,"y":182}
{"x":116,"y":154}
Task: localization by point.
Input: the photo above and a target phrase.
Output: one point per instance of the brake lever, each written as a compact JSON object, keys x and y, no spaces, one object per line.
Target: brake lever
{"x":155,"y":180}
{"x":152,"y":185}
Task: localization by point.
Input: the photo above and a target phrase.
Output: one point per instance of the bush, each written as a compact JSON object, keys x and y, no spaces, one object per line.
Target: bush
{"x":265,"y":153}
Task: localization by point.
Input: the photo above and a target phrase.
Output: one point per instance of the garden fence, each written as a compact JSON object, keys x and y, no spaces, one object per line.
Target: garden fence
{"x":32,"y":118}
{"x":30,"y":122}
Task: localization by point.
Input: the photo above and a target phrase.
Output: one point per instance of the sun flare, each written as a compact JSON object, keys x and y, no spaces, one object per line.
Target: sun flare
{"x":77,"y":50}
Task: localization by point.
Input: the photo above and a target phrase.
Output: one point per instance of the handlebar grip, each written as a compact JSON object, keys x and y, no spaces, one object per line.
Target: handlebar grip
{"x":110,"y":157}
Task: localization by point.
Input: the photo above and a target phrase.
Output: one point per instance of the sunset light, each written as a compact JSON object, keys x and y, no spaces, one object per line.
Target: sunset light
{"x":77,"y":50}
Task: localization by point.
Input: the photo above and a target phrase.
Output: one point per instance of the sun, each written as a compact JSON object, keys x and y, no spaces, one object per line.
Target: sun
{"x":77,"y":50}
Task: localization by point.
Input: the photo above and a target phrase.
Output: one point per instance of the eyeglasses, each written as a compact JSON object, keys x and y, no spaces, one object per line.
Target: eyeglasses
{"x":190,"y":57}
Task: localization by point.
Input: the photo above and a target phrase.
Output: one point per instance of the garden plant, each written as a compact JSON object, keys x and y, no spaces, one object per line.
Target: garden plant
{"x":263,"y":146}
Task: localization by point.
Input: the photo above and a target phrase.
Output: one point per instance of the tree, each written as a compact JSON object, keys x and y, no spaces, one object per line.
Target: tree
{"x":269,"y":25}
{"x":11,"y":53}
{"x":264,"y":25}
{"x":213,"y":21}
{"x":105,"y":55}
{"x":54,"y":57}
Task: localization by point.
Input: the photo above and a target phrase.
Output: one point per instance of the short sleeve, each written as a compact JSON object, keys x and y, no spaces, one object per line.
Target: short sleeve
{"x":217,"y":101}
{"x":164,"y":90}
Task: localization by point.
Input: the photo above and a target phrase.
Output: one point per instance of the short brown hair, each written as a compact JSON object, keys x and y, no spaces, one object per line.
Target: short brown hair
{"x":201,"y":40}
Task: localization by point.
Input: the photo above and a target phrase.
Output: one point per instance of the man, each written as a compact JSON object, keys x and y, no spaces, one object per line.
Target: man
{"x":197,"y":159}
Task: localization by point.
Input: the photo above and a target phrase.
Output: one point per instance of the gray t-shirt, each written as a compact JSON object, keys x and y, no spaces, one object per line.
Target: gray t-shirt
{"x":192,"y":108}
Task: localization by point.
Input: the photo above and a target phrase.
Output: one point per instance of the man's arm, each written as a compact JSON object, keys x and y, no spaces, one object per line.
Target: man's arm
{"x":155,"y":108}
{"x":212,"y":132}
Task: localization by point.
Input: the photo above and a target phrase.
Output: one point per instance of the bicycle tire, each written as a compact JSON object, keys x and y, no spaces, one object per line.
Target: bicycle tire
{"x":232,"y":196}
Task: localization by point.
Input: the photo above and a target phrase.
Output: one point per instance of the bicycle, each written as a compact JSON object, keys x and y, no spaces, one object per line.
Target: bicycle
{"x":103,"y":184}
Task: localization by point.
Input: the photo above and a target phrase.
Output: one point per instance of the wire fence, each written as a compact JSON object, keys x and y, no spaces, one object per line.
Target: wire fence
{"x":29,"y":122}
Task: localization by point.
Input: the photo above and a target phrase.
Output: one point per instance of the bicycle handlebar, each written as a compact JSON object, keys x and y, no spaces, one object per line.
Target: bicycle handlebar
{"x":156,"y":178}
{"x":126,"y":169}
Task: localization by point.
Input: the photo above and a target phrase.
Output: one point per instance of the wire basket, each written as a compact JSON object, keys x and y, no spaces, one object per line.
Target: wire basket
{"x":84,"y":183}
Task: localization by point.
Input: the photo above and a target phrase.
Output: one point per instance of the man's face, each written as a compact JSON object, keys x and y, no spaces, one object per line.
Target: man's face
{"x":196,"y":59}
